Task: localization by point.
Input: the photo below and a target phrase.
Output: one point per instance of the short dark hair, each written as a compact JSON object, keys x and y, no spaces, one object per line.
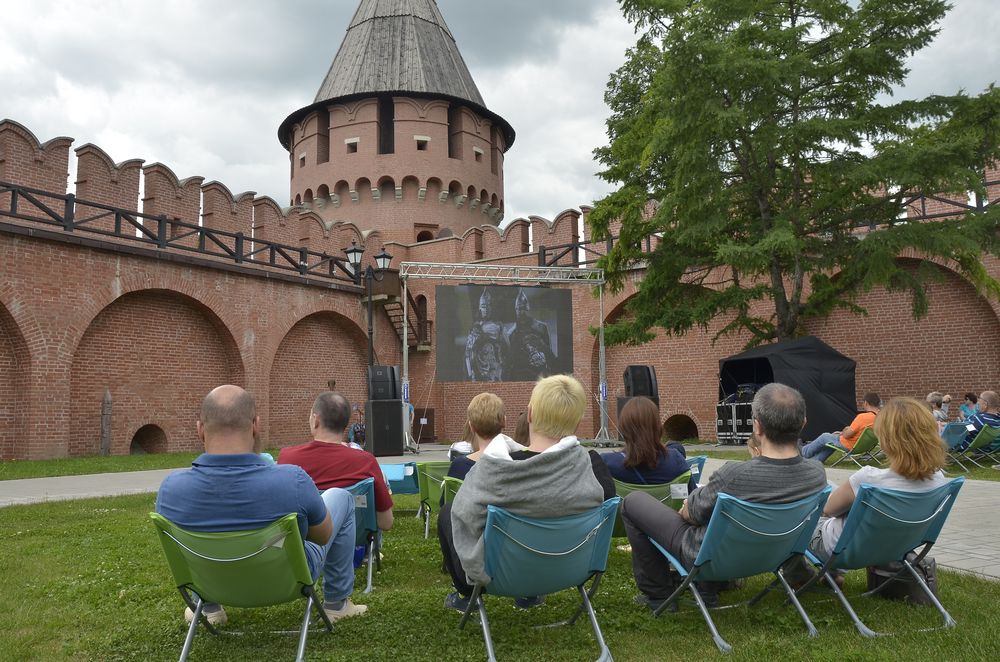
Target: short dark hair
{"x":781,"y":412}
{"x":226,"y":409}
{"x":871,"y":398}
{"x":972,"y":397}
{"x":333,"y":411}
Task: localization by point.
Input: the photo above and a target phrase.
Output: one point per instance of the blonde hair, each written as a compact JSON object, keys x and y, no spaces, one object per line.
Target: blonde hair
{"x":908,"y":434}
{"x":486,"y":416}
{"x":556,"y":406}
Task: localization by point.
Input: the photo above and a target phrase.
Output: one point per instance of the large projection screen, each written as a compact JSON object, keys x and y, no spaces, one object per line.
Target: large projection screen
{"x":497,"y":333}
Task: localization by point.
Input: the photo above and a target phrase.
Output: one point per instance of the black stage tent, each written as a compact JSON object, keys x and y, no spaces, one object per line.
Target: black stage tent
{"x":824,"y":376}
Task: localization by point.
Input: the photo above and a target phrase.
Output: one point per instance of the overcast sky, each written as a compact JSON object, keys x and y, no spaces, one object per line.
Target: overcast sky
{"x":202,"y":86}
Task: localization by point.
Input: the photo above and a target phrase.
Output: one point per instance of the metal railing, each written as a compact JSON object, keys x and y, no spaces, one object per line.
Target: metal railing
{"x":167,"y":234}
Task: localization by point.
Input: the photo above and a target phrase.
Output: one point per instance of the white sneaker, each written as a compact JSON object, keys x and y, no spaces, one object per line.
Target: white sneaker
{"x":349,"y":609}
{"x":217,"y":617}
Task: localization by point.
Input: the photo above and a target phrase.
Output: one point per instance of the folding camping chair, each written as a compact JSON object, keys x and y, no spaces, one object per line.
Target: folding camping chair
{"x":526,"y":557}
{"x":367,"y":533}
{"x":256,"y":568}
{"x":865,"y":449}
{"x":449,"y":488}
{"x":883,"y":526}
{"x":954,"y":434}
{"x":981,"y":447}
{"x":429,"y":478}
{"x":745,"y":539}
{"x":401,"y":477}
{"x":697,"y":466}
{"x":670,"y":494}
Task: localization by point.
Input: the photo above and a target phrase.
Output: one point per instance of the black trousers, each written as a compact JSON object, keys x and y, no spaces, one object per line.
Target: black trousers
{"x":451,"y":560}
{"x":644,"y":516}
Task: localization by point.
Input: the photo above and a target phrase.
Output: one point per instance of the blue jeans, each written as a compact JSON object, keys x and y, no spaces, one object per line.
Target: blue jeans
{"x":817,"y":449}
{"x":336,"y":557}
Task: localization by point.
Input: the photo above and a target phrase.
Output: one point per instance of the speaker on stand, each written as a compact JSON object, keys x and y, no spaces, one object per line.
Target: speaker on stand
{"x":384,"y":428}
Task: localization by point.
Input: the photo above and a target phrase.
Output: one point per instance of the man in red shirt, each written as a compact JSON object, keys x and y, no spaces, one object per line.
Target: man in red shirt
{"x":817,"y":449}
{"x":330,"y":462}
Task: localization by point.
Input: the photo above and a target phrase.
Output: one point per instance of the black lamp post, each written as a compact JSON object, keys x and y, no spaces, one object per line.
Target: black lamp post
{"x":382,"y":260}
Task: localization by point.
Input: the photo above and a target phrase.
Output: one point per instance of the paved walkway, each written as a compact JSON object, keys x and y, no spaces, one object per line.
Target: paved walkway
{"x":970,"y":540}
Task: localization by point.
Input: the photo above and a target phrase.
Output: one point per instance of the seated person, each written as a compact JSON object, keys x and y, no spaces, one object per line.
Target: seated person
{"x":907,"y":434}
{"x":645,"y":460}
{"x":989,"y":406}
{"x":553,"y":477}
{"x":968,"y":408}
{"x":331,"y":462}
{"x":779,"y":475}
{"x":521,"y":430}
{"x":846,"y":438}
{"x":935,"y":400}
{"x":486,"y":420}
{"x":231,"y":488}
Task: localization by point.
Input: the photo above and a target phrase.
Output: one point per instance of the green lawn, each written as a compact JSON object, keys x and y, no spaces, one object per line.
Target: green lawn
{"x":86,"y":580}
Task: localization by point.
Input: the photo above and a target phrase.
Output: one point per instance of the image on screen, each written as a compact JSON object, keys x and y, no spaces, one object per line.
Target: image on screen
{"x":499,"y":333}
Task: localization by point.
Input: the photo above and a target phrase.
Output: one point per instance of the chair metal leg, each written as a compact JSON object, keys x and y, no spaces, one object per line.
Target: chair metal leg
{"x":949,"y":622}
{"x":862,"y":629}
{"x":427,"y":522}
{"x":300,"y":652}
{"x":810,"y":628}
{"x":721,"y":643}
{"x":186,"y":649}
{"x":484,"y":622}
{"x":371,"y":553}
{"x":473,"y":602}
{"x":310,"y":592}
{"x":585,"y":599}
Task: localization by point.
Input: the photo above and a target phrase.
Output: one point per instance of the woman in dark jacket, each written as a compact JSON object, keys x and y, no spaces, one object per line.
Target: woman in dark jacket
{"x":645,"y":460}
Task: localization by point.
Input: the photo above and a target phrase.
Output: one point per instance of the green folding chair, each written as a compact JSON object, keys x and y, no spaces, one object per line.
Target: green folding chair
{"x":256,"y":568}
{"x":980,"y":447}
{"x":450,"y":487}
{"x":665,"y":493}
{"x":865,"y":450}
{"x":429,"y":478}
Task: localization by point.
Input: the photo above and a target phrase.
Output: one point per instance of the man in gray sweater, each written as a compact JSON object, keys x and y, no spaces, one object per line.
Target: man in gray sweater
{"x":552,"y":477}
{"x":779,"y":475}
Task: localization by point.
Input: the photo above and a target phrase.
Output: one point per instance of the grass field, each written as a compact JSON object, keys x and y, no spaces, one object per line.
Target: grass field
{"x":86,"y":580}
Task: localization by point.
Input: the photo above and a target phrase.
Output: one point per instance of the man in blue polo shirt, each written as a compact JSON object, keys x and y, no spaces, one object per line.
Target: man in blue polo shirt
{"x":988,"y":414}
{"x":231,"y":488}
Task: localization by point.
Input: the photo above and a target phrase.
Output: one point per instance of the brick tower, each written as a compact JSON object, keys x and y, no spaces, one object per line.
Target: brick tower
{"x":399,"y":138}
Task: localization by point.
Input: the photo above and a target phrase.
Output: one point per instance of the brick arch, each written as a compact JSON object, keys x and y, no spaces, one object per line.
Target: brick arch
{"x":320,"y":347}
{"x":15,"y":368}
{"x":158,"y":352}
{"x":952,"y":349}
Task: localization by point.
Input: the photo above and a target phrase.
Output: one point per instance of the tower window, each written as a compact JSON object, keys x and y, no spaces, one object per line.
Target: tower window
{"x":386,"y":125}
{"x":302,"y":160}
{"x":454,"y":132}
{"x":422,"y":142}
{"x":352,"y":145}
{"x":479,"y":154}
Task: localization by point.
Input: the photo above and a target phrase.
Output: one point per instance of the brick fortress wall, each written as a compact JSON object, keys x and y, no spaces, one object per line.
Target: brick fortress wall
{"x":78,"y":319}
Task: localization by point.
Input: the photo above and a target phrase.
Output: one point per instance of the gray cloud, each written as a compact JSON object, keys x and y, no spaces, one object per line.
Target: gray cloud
{"x":202,"y":86}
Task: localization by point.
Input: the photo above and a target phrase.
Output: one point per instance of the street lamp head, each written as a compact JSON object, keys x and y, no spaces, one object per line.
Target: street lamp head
{"x":382,"y":260}
{"x":354,"y":254}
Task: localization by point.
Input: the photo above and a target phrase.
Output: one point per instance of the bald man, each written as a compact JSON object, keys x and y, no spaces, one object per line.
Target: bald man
{"x":231,"y":488}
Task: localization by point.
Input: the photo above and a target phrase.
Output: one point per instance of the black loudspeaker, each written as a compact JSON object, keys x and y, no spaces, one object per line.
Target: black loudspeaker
{"x":384,"y":427}
{"x":383,"y":382}
{"x":641,"y":380}
{"x":622,"y":399}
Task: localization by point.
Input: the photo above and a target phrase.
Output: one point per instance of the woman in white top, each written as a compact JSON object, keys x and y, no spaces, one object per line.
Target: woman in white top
{"x":907,"y":433}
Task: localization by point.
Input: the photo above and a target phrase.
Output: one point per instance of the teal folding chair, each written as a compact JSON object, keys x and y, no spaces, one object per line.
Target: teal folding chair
{"x":367,"y":533}
{"x":401,"y":477}
{"x":954,"y":434}
{"x":697,"y":466}
{"x":429,"y":478}
{"x":865,"y":450}
{"x":256,"y":568}
{"x":884,"y":526}
{"x":526,"y":557}
{"x":744,"y":539}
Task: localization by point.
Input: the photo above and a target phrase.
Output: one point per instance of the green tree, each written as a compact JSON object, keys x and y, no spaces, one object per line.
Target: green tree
{"x":753,"y":137}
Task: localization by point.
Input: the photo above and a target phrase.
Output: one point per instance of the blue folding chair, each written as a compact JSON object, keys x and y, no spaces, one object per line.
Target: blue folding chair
{"x":744,"y":539}
{"x":954,"y":436}
{"x":401,"y":477}
{"x":526,"y":557}
{"x":366,"y":523}
{"x":697,"y":466}
{"x":884,"y":526}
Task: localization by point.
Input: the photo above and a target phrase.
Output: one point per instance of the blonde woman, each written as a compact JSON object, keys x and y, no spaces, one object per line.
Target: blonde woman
{"x":908,"y":434}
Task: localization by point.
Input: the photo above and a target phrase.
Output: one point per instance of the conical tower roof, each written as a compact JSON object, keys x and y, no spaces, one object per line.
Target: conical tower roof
{"x":401,"y":47}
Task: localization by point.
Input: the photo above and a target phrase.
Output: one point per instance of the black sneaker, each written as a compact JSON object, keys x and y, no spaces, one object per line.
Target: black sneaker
{"x":456,"y":601}
{"x":654,"y":603}
{"x":528,"y":603}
